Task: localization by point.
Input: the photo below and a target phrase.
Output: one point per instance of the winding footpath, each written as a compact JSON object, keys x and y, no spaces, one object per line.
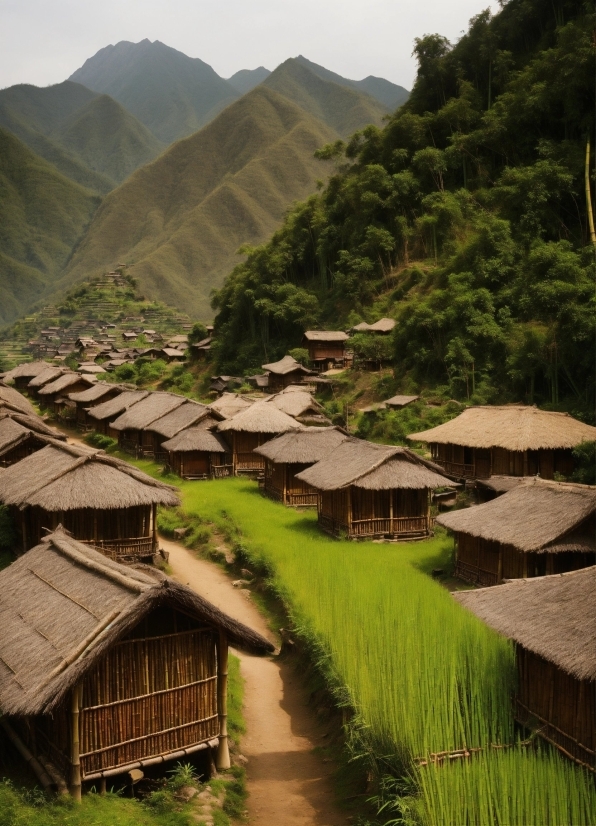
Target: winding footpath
{"x":288,"y":783}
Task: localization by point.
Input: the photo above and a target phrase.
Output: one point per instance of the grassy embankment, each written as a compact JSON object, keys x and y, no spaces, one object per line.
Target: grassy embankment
{"x":423,"y":675}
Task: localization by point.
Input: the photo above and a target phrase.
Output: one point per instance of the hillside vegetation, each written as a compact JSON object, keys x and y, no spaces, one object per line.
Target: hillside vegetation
{"x":89,"y":138}
{"x":42,"y":215}
{"x":171,"y":93}
{"x":464,"y":218}
{"x":179,"y":221}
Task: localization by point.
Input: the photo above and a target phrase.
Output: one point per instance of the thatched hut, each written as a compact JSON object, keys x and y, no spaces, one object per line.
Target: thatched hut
{"x":300,"y":405}
{"x":290,"y":454}
{"x":53,"y":395}
{"x":105,"y":413}
{"x":383,"y":327}
{"x":44,"y":377}
{"x":229,"y":404}
{"x":369,"y":490}
{"x":284,"y":372}
{"x":131,"y":426}
{"x":251,"y":428}
{"x":400,"y":401}
{"x":326,"y":348}
{"x":22,"y":374}
{"x":21,"y":435}
{"x":106,"y":668}
{"x":509,"y":440}
{"x":553,"y":623}
{"x":187,"y":414}
{"x":536,"y":528}
{"x":84,"y":400}
{"x":487,"y":489}
{"x":11,"y":399}
{"x":199,"y":453}
{"x":99,"y":499}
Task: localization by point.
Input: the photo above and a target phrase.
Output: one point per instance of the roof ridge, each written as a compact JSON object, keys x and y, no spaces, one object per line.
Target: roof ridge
{"x":63,"y":472}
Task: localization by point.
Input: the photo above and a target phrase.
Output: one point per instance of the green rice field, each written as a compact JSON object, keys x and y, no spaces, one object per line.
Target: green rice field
{"x":423,"y":675}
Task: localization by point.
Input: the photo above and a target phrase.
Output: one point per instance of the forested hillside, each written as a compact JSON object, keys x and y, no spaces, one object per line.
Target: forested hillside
{"x":42,"y":215}
{"x":464,"y":217}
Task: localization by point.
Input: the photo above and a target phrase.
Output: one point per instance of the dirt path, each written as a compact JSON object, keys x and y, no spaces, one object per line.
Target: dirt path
{"x":288,"y":784}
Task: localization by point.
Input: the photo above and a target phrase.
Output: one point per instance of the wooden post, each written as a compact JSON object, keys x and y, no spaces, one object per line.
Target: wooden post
{"x":500,"y":566}
{"x":285,"y":483}
{"x":391,"y":495}
{"x":234,"y":454}
{"x":154,"y":520}
{"x":349,"y":510}
{"x":223,"y":751}
{"x":75,"y":746}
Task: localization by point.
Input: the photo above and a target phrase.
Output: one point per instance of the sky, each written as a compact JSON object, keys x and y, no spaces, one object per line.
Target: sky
{"x":44,"y":41}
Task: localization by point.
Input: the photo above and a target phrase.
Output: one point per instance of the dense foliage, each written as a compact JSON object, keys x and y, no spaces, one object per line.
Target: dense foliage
{"x":464,"y":217}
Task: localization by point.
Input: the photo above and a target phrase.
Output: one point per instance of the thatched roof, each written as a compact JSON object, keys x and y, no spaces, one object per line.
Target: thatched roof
{"x":29,"y":369}
{"x":143,"y":413}
{"x":401,"y":401}
{"x":534,"y":516}
{"x":325,"y":335}
{"x":64,"y":604}
{"x":64,"y":477}
{"x":383,"y":325}
{"x":229,"y":404}
{"x":284,"y":366}
{"x":62,"y":383}
{"x":302,"y":446}
{"x":513,"y":427}
{"x":501,"y":484}
{"x":14,"y":399}
{"x":95,"y":392}
{"x":260,"y":417}
{"x":46,"y":375}
{"x":373,"y":467}
{"x":183,"y":416}
{"x":12,"y":434}
{"x":116,"y":406}
{"x":34,"y":423}
{"x":296,"y":403}
{"x":198,"y":438}
{"x":552,"y":616}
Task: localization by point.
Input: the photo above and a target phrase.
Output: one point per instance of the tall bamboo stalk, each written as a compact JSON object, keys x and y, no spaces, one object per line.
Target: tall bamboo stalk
{"x":75,"y":751}
{"x":223,"y":751}
{"x":589,"y":197}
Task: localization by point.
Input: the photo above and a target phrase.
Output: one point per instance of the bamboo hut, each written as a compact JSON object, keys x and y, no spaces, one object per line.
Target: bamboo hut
{"x":369,"y":490}
{"x":536,"y":528}
{"x":131,"y":426}
{"x":510,"y":440}
{"x":106,"y":668}
{"x":44,"y":377}
{"x":21,"y":435}
{"x":284,"y":372}
{"x":251,"y":428}
{"x":84,"y":400}
{"x":99,"y":499}
{"x":106,"y":413}
{"x":290,"y":454}
{"x":22,"y":374}
{"x":199,"y":453}
{"x":400,"y":401}
{"x":487,"y":489}
{"x":326,"y":348}
{"x":11,"y":399}
{"x":552,"y":621}
{"x":187,"y":414}
{"x":229,"y":404}
{"x":53,"y":395}
{"x":300,"y":405}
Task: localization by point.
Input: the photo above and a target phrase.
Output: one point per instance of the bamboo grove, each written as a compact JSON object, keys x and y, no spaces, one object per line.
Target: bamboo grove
{"x":465,"y":217}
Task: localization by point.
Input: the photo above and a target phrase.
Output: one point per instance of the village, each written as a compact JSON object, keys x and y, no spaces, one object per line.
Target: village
{"x":121,"y":668}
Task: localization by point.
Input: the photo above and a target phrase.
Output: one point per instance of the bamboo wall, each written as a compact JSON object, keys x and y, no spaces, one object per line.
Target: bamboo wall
{"x":245,"y":460}
{"x":561,"y":707}
{"x":360,"y":512}
{"x":21,"y":451}
{"x":481,"y":464}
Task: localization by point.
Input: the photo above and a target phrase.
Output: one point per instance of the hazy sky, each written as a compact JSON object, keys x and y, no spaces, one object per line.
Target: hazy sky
{"x":44,"y":41}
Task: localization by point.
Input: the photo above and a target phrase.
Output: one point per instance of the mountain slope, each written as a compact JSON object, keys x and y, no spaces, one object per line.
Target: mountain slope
{"x":246,"y":79}
{"x":172,"y":94}
{"x":344,"y":110}
{"x":179,"y":220}
{"x":389,"y":94}
{"x":42,"y":216}
{"x":90,"y":138}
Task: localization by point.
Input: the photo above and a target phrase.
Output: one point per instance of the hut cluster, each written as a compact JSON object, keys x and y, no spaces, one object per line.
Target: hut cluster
{"x":107,"y":665}
{"x":530,"y":544}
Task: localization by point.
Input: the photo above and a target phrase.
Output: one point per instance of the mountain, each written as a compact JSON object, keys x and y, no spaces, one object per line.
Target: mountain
{"x":389,"y":94}
{"x":246,"y":79}
{"x":42,"y":216}
{"x":90,"y":138}
{"x":172,"y":94}
{"x":344,"y":110}
{"x":179,"y":220}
